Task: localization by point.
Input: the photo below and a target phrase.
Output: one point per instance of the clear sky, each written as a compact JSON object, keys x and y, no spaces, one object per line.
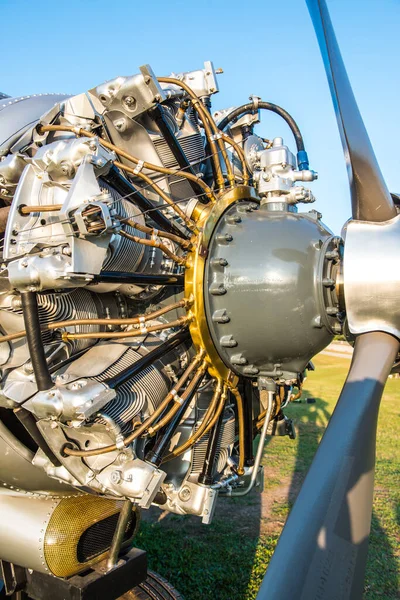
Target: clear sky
{"x":266,"y":47}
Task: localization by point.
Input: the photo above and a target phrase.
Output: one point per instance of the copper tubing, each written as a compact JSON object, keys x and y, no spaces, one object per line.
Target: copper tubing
{"x":240,"y":153}
{"x":206,"y":120}
{"x":208,"y":421}
{"x":128,"y":321}
{"x":299,"y":393}
{"x":240,"y":411}
{"x":123,"y":334}
{"x":158,"y":191}
{"x":27,"y":210}
{"x":132,"y":159}
{"x":144,"y":426}
{"x":151,"y":231}
{"x":178,"y":400}
{"x":153,"y":244}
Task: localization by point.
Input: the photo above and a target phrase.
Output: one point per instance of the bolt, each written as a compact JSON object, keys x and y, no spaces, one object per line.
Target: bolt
{"x":116,"y":477}
{"x":224,"y":237}
{"x":233,"y":219}
{"x":130,"y":101}
{"x":238,"y":359}
{"x":217,"y":289}
{"x":327,"y":282}
{"x":332,"y":255}
{"x":228,"y":341}
{"x":185,"y":494}
{"x":219,"y":262}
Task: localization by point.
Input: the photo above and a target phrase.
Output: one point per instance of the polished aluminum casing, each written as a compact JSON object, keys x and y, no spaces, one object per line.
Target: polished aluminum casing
{"x":371,"y":276}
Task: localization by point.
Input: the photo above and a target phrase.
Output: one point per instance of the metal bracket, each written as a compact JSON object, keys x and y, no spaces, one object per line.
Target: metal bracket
{"x":91,"y":585}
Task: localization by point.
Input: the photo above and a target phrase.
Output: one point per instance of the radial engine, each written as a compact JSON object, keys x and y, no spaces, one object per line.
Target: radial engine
{"x":162,"y":296}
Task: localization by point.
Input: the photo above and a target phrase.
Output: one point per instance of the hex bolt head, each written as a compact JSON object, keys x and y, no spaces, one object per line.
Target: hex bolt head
{"x":228,"y":341}
{"x":220,"y":316}
{"x":238,"y":359}
{"x":217,"y":289}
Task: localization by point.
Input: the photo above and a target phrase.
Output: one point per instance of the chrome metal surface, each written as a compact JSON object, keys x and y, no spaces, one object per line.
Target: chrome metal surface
{"x":371,"y":276}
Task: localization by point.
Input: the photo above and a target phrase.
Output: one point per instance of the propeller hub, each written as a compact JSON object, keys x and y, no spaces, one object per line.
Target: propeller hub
{"x":264,"y":288}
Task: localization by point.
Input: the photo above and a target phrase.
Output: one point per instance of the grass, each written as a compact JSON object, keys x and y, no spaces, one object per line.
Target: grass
{"x":227,"y":560}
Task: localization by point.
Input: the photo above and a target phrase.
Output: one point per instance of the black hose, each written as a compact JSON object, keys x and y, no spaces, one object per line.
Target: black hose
{"x":148,"y":359}
{"x":123,"y":277}
{"x":251,"y":107}
{"x":40,"y":368}
{"x":206,"y":476}
{"x":156,"y":454}
{"x":157,"y":113}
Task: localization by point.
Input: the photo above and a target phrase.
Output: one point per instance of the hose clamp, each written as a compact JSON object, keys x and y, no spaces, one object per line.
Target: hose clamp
{"x":138,"y":167}
{"x":176,"y":397}
{"x":256,"y":102}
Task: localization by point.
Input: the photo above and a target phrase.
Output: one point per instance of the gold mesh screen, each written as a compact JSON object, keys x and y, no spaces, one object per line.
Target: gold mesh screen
{"x":71,"y":518}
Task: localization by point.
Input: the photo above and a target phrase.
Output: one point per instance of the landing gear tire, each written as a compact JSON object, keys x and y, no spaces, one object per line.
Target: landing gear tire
{"x":154,"y":587}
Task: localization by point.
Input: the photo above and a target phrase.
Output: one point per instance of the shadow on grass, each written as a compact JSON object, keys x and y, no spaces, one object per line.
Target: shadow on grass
{"x":227,"y":559}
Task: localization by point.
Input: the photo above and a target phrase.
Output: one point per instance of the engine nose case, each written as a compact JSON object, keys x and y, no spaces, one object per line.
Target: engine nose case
{"x":263,"y":290}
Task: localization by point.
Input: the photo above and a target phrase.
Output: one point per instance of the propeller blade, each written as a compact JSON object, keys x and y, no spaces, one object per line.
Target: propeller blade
{"x":323,"y":547}
{"x":370,"y":198}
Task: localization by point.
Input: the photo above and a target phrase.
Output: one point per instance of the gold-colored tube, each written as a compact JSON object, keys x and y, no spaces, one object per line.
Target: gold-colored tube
{"x":153,"y":244}
{"x":178,"y":400}
{"x":27,"y":210}
{"x":206,"y":117}
{"x":144,"y":426}
{"x":240,"y":153}
{"x":240,"y":411}
{"x":158,"y":191}
{"x":128,"y":321}
{"x":123,"y":334}
{"x":145,"y":165}
{"x":151,"y":231}
{"x":202,"y":429}
{"x":206,"y":120}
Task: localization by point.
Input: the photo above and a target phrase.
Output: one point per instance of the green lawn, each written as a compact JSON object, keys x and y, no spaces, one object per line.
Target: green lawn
{"x":227,"y":560}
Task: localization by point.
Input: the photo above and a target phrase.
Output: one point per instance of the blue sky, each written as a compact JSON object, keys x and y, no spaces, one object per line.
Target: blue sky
{"x":266,"y":47}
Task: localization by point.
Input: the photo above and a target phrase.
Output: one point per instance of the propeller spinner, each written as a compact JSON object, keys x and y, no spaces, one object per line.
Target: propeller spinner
{"x":323,"y":548}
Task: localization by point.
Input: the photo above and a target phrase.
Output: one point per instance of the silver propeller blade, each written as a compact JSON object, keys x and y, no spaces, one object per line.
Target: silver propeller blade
{"x":370,"y":198}
{"x":323,"y":547}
